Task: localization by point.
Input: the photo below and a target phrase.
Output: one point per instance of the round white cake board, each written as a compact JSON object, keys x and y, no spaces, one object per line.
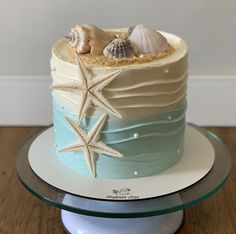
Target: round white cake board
{"x":196,"y":162}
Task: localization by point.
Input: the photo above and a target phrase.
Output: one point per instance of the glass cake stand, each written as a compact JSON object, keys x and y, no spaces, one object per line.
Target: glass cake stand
{"x":162,"y":215}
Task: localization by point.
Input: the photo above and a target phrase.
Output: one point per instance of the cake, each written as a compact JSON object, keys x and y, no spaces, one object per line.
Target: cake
{"x":119,"y":101}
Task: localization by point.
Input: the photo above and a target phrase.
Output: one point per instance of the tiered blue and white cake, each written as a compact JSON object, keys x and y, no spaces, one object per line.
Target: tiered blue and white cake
{"x":119,"y":100}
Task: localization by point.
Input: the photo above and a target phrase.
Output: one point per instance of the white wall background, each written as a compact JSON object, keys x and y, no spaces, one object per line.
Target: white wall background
{"x":29,"y":28}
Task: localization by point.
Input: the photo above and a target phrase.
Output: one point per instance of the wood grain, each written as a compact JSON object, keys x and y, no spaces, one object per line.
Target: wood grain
{"x":21,"y":212}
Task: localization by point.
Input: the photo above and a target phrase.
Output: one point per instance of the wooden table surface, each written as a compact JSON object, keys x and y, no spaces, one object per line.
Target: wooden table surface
{"x":21,"y":212}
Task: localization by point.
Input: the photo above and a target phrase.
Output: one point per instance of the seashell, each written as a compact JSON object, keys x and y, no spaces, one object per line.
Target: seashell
{"x":88,"y":38}
{"x":130,"y":30}
{"x":147,"y":40}
{"x":79,"y":38}
{"x":119,"y":48}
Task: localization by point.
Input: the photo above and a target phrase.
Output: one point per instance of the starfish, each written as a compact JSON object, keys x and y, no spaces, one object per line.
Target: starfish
{"x":90,"y":143}
{"x":90,"y":89}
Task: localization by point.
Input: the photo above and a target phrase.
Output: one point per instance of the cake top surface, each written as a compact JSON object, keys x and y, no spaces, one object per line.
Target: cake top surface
{"x":137,"y":46}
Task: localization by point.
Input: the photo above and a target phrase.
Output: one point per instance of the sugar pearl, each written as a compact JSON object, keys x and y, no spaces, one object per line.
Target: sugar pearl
{"x":166,"y":71}
{"x":136,"y":135}
{"x":136,"y":173}
{"x":169,"y":118}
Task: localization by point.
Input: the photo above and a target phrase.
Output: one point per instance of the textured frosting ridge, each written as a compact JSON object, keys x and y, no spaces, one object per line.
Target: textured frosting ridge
{"x":150,"y":97}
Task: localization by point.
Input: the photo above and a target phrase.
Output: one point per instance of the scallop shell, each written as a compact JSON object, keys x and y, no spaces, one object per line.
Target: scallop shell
{"x":119,"y":48}
{"x":130,"y":30}
{"x":147,"y":40}
{"x":88,"y":38}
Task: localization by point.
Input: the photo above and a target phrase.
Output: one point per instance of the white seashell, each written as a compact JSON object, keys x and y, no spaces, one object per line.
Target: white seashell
{"x":147,"y":40}
{"x":119,"y":48}
{"x":79,"y":38}
{"x":88,"y":38}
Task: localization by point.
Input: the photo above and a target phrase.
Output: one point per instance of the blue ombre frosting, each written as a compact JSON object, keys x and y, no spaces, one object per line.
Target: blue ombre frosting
{"x":148,"y":145}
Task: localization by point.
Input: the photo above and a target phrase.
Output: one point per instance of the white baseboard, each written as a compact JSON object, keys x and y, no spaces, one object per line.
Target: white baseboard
{"x":26,"y":100}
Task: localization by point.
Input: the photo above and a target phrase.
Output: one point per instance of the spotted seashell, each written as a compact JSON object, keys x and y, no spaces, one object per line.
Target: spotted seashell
{"x":79,"y":38}
{"x":119,"y":48}
{"x":88,"y":38}
{"x":147,"y":40}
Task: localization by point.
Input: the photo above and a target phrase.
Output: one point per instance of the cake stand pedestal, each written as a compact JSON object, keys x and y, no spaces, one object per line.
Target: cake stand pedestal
{"x":161,"y":224}
{"x":162,"y":215}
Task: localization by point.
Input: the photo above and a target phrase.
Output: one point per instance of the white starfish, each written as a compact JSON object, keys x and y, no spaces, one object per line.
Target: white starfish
{"x":90,"y":143}
{"x":90,"y":89}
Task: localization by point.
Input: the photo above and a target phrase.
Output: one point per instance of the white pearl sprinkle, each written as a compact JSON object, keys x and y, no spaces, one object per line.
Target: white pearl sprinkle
{"x":141,"y":56}
{"x":136,"y":135}
{"x":178,"y":151}
{"x":169,"y":118}
{"x":166,"y":71}
{"x":136,"y":173}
